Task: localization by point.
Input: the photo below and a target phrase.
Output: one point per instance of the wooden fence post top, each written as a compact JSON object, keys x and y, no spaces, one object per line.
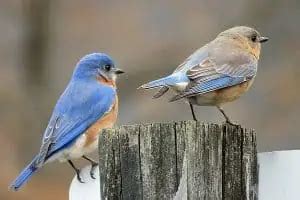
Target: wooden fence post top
{"x":178,"y":160}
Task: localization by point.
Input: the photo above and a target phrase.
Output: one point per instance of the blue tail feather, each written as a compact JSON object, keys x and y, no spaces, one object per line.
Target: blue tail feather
{"x":24,"y":176}
{"x":166,"y":81}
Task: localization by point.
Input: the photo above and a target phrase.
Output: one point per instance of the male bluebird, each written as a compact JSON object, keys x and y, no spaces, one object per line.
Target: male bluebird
{"x":88,"y":104}
{"x":219,"y":72}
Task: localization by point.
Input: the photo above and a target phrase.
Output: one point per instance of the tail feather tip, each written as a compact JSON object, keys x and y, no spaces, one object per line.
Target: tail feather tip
{"x":22,"y":178}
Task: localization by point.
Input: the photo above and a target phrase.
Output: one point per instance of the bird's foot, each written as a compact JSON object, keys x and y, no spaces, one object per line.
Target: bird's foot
{"x":77,"y":171}
{"x":78,"y":176}
{"x":231,"y":123}
{"x":94,"y":165}
{"x":92,"y":171}
{"x":193,"y":112}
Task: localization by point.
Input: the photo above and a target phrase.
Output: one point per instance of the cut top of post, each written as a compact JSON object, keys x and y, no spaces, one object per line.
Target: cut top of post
{"x":178,"y":160}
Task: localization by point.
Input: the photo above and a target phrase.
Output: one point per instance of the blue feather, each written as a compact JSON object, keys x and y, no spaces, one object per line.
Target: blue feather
{"x":92,"y":102}
{"x":215,"y":84}
{"x":78,"y":108}
{"x":208,"y":86}
{"x":171,"y":80}
{"x":84,"y":101}
{"x":24,"y":176}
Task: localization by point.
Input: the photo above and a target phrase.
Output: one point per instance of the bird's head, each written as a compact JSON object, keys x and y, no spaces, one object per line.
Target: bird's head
{"x":97,"y":65}
{"x":245,"y":37}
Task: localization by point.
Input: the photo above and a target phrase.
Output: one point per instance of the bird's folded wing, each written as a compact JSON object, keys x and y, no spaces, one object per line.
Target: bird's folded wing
{"x":67,"y":124}
{"x":193,"y":60}
{"x":209,"y":76}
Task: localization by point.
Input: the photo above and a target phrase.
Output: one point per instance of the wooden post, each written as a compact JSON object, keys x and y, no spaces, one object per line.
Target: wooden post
{"x":179,"y":160}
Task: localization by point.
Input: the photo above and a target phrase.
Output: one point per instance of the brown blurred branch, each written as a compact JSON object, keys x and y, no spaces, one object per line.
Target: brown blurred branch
{"x":36,"y":15}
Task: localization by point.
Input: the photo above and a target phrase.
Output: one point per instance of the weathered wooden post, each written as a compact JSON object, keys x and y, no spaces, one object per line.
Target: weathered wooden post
{"x":180,"y":160}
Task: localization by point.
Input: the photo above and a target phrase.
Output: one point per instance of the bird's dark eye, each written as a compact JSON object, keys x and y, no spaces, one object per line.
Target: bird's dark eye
{"x":254,"y":38}
{"x":107,"y":67}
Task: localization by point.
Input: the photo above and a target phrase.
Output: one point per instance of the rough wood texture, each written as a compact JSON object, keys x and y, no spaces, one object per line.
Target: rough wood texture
{"x":179,"y":160}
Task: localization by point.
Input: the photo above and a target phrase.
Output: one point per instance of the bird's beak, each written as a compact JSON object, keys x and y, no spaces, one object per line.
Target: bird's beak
{"x":119,"y":71}
{"x":263,"y":39}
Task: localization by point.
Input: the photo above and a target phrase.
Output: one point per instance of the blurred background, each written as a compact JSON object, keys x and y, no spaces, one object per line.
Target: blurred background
{"x":41,"y":41}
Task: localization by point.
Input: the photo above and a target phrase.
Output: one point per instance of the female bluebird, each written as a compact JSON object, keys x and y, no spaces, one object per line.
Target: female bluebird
{"x":88,"y":104}
{"x":219,"y":72}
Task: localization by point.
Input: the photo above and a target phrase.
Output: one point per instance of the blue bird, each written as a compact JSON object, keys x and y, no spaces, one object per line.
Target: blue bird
{"x":88,"y":104}
{"x":217,"y":73}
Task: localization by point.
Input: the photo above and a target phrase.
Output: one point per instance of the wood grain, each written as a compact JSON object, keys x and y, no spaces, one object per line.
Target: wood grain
{"x":178,"y":160}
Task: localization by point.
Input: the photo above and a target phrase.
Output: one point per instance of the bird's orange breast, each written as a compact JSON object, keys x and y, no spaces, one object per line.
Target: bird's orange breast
{"x":221,"y":96}
{"x":107,"y":121}
{"x":232,"y":93}
{"x":104,"y":81}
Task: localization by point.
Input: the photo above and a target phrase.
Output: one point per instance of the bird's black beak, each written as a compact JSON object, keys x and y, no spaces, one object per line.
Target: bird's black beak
{"x":263,"y":39}
{"x":119,"y":71}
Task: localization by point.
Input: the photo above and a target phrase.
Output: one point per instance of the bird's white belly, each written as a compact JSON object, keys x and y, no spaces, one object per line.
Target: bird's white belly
{"x":76,"y":150}
{"x":179,"y":87}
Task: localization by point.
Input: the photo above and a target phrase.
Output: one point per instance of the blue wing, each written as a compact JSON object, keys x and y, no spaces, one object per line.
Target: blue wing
{"x":215,"y":84}
{"x":211,"y":74}
{"x":193,"y":60}
{"x":77,"y":109}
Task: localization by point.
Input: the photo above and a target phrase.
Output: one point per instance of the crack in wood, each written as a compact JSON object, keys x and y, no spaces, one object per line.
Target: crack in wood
{"x":146,"y":162}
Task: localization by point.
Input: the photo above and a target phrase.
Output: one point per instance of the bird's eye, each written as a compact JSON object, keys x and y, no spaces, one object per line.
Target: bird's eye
{"x":107,"y":67}
{"x":253,"y":38}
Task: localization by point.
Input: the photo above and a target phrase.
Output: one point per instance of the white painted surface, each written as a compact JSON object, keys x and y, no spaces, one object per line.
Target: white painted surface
{"x":279,"y":175}
{"x":279,"y":178}
{"x":88,"y":190}
{"x":181,"y":193}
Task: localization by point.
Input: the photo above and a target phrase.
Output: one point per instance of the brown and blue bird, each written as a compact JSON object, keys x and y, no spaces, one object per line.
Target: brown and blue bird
{"x":217,"y":73}
{"x":88,"y":105}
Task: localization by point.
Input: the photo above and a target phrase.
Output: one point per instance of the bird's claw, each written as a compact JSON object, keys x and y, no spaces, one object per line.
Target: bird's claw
{"x":231,"y":123}
{"x":92,"y":172}
{"x":79,"y":177}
